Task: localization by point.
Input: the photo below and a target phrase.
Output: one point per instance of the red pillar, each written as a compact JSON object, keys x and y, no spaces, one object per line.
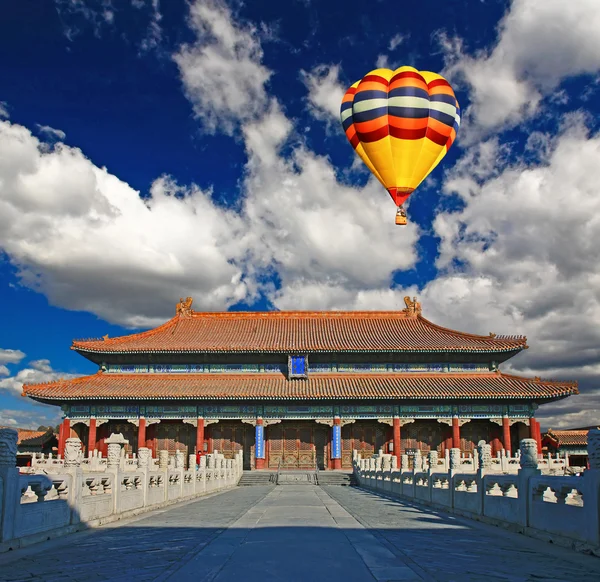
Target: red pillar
{"x":397,"y":441}
{"x":535,"y":433}
{"x":63,"y":435}
{"x":142,"y":433}
{"x":455,"y":433}
{"x":200,"y":436}
{"x":92,"y":435}
{"x":337,"y":463}
{"x":259,"y":463}
{"x":506,"y":435}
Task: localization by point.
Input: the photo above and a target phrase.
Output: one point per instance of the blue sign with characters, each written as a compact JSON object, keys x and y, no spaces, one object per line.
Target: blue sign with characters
{"x":259,"y":447}
{"x":336,"y":445}
{"x":298,"y":365}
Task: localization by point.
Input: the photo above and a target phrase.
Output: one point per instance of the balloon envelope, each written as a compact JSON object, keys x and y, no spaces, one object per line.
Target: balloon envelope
{"x":401,"y":123}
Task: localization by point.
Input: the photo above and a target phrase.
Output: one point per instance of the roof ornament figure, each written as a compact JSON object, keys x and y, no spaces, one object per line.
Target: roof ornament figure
{"x":413,"y":308}
{"x":184,"y":308}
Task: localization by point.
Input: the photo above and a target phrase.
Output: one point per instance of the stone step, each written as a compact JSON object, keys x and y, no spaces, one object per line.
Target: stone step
{"x":256,"y":478}
{"x":336,"y":479}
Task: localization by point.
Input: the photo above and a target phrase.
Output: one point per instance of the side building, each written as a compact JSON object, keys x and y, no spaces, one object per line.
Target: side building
{"x":301,"y":388}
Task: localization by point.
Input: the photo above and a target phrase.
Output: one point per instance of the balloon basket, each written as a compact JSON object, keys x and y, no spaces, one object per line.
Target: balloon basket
{"x":401,"y":217}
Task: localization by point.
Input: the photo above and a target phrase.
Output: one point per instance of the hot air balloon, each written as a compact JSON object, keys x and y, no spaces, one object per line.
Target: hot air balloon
{"x":401,"y":123}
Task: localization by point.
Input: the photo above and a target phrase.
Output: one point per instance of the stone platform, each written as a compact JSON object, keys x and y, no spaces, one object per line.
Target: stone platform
{"x":297,"y":533}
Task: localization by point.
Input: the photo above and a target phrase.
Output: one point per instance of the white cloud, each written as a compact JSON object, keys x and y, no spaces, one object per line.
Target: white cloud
{"x":539,"y":44}
{"x":97,"y":13}
{"x":222,"y":72}
{"x":4,"y":371}
{"x":50,"y":132}
{"x":4,"y":110}
{"x":154,"y":31}
{"x":397,"y":40}
{"x":11,"y":356}
{"x":37,"y":372}
{"x":325,"y":92}
{"x":88,"y":241}
{"x":35,"y":415}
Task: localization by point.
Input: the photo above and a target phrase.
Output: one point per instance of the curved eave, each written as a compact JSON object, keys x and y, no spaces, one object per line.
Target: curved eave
{"x":292,"y":350}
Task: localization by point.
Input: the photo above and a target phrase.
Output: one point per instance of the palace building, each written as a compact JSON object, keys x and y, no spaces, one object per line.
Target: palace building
{"x":298,"y":389}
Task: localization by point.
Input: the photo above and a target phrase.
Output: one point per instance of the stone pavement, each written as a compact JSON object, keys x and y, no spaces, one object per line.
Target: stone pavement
{"x":297,"y":533}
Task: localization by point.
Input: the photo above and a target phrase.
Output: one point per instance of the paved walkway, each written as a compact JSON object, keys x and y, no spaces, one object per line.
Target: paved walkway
{"x":297,"y":533}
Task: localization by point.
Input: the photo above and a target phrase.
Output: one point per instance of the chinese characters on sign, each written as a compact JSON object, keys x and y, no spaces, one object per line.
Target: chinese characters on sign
{"x":336,"y":447}
{"x":260,"y":442}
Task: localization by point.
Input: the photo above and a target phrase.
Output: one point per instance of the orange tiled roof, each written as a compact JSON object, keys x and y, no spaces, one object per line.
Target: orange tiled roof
{"x":301,"y":331}
{"x":113,"y":386}
{"x":30,"y":437}
{"x":569,"y":437}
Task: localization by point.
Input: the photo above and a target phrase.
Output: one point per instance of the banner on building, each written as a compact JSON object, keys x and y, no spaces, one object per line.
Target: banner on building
{"x":336,"y":445}
{"x":259,"y":447}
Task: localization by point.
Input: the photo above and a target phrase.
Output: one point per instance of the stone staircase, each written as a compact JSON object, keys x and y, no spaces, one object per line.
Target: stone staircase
{"x":336,"y":478}
{"x":256,"y":478}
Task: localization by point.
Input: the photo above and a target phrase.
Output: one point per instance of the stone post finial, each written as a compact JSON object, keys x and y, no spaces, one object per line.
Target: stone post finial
{"x":529,"y":457}
{"x":143,"y":457}
{"x":593,"y":439}
{"x":73,"y":452}
{"x":484,"y":455}
{"x":8,"y":447}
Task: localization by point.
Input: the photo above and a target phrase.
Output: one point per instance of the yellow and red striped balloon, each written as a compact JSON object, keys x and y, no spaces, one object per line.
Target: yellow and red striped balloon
{"x":401,"y":123}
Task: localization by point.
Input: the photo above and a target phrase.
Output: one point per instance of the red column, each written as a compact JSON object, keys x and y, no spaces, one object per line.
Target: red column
{"x":92,"y":435}
{"x":337,"y":463}
{"x":455,"y":433}
{"x":142,"y":433}
{"x":259,"y":463}
{"x":397,"y":441}
{"x":200,"y":436}
{"x":538,"y":436}
{"x":64,"y":434}
{"x":506,"y":435}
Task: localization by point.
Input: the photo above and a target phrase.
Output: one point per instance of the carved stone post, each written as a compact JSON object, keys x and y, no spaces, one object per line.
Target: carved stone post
{"x":114,"y":455}
{"x":10,"y":492}
{"x":143,"y":457}
{"x":529,"y":458}
{"x":192,"y":462}
{"x":179,"y":460}
{"x":73,"y":452}
{"x":432,"y":458}
{"x":404,"y":462}
{"x":484,"y":456}
{"x":454,"y":459}
{"x":163,"y":460}
{"x":593,"y":437}
{"x":8,"y":447}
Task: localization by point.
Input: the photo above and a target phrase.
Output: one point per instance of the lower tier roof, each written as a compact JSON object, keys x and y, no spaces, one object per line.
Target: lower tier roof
{"x":111,"y":386}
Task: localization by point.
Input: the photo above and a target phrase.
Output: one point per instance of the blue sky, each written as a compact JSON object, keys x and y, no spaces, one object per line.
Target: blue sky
{"x":152,"y":150}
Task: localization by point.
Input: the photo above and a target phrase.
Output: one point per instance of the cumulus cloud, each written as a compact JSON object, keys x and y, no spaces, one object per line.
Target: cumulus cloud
{"x":539,"y":44}
{"x":36,"y":372}
{"x":325,"y":92}
{"x":11,"y":356}
{"x":221,"y":71}
{"x":88,"y":241}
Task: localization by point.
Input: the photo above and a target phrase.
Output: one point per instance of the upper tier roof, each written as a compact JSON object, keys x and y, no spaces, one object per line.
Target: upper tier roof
{"x":568,"y":437}
{"x":302,"y":332}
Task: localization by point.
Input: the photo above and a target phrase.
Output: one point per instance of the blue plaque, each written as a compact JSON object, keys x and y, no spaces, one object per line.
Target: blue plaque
{"x":259,"y":447}
{"x":336,"y":445}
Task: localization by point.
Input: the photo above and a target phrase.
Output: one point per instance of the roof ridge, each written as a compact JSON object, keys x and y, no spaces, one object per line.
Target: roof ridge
{"x":301,"y":314}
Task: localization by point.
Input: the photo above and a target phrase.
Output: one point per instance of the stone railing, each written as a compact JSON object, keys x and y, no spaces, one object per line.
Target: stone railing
{"x":558,"y":508}
{"x":65,"y":495}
